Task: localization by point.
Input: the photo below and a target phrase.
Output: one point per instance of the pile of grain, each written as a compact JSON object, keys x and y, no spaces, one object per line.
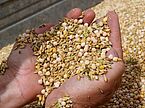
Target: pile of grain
{"x":68,"y":49}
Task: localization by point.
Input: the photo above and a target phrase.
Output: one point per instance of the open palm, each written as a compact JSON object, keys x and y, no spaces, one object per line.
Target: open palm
{"x":90,"y":94}
{"x":21,"y":63}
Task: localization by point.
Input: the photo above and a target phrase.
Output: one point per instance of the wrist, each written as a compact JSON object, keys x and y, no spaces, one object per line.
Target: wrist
{"x":10,"y":95}
{"x":6,"y":79}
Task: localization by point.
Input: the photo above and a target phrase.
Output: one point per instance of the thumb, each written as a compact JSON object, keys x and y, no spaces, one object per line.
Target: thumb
{"x":117,"y":67}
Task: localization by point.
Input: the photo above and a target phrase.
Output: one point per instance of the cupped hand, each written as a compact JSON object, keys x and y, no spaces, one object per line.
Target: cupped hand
{"x":90,"y":94}
{"x":20,"y":74}
{"x":21,"y":66}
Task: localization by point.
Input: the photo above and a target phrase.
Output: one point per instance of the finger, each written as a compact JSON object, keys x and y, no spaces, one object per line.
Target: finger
{"x":117,"y":68}
{"x":115,"y":36}
{"x":89,"y":16}
{"x":74,"y":13}
{"x":43,"y":28}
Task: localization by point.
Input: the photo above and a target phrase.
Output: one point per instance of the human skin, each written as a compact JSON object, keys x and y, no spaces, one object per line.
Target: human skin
{"x":90,"y":94}
{"x":19,"y":85}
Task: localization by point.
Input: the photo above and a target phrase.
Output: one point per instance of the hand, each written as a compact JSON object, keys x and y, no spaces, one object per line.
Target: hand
{"x":19,"y":85}
{"x":90,"y":94}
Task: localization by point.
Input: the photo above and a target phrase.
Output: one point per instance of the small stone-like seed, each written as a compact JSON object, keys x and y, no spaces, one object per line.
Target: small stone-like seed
{"x":88,"y":39}
{"x":65,"y":76}
{"x":86,"y":48}
{"x":56,"y":84}
{"x":43,"y":91}
{"x":51,"y":79}
{"x":78,"y":46}
{"x":47,"y":73}
{"x":93,"y":49}
{"x":82,"y":50}
{"x":93,"y":66}
{"x":54,"y":55}
{"x":63,"y":103}
{"x":80,"y":54}
{"x":80,"y":21}
{"x":83,"y":44}
{"x":87,"y":62}
{"x":27,"y":31}
{"x":40,"y":81}
{"x":70,"y":49}
{"x":102,"y":67}
{"x":75,"y":20}
{"x":96,"y":77}
{"x":86,"y":24}
{"x":105,"y":19}
{"x":47,"y":83}
{"x":55,"y":43}
{"x":64,"y":24}
{"x":115,"y":59}
{"x":85,"y":54}
{"x":44,"y":70}
{"x":79,"y":31}
{"x":100,"y":23}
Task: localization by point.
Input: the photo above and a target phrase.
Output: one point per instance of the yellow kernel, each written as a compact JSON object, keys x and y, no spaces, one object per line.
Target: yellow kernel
{"x":43,"y":91}
{"x":40,"y":81}
{"x":101,"y":67}
{"x":115,"y":59}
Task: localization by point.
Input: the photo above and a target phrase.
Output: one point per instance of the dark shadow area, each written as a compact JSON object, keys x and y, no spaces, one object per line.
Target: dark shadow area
{"x":128,"y":95}
{"x":33,"y":105}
